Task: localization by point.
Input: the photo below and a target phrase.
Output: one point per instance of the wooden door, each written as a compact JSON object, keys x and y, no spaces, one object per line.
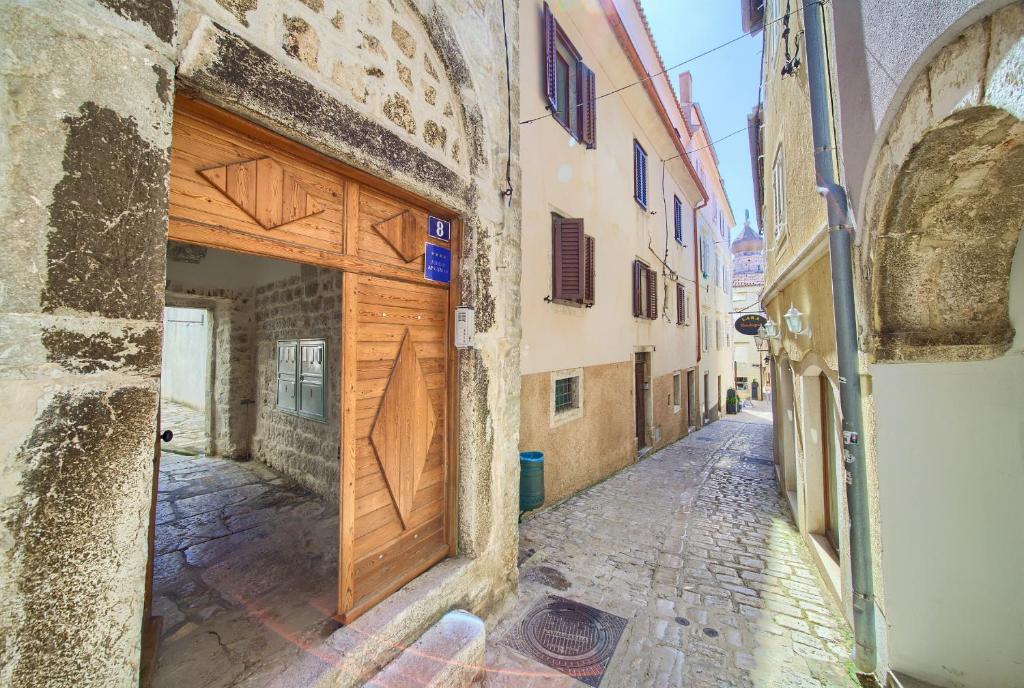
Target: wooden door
{"x":395,"y":440}
{"x":641,"y":402}
{"x":239,"y":187}
{"x":830,"y":457}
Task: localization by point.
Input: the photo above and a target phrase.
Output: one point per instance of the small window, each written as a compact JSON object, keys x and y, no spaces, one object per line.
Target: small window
{"x":779,"y":193}
{"x":567,"y":395}
{"x":678,"y":206}
{"x":639,"y":174}
{"x":677,"y":391}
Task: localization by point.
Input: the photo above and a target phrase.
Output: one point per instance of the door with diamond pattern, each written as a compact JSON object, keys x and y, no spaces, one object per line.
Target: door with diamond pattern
{"x":239,"y":187}
{"x":396,"y":380}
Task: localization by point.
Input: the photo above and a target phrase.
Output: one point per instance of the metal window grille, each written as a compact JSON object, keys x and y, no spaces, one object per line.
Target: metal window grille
{"x":566,"y":394}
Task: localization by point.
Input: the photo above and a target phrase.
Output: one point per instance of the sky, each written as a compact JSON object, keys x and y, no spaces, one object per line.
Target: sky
{"x":725,"y":82}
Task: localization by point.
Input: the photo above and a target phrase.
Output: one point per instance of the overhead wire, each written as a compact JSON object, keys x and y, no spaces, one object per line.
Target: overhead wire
{"x":680,"y":64}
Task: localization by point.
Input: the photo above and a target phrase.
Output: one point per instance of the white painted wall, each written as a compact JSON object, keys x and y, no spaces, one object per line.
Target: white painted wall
{"x":184,"y":371}
{"x":951,"y":493}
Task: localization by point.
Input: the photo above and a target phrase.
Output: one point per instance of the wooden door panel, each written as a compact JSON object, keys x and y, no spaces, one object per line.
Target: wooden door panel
{"x":396,"y":446}
{"x":245,"y":187}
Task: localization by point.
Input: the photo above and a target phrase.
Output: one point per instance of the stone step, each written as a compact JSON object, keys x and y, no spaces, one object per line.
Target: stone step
{"x":449,"y":655}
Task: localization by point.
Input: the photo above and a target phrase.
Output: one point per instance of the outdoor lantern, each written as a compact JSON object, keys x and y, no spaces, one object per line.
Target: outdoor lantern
{"x":768,"y":331}
{"x":795,"y":321}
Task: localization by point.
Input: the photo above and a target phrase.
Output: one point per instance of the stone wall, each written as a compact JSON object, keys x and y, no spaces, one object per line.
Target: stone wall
{"x":301,"y":307}
{"x":85,"y":131}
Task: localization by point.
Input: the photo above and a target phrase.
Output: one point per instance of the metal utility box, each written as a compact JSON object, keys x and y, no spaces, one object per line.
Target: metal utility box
{"x":301,"y":368}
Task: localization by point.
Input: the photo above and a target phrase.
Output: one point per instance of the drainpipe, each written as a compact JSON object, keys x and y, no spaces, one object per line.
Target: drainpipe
{"x":696,"y":275}
{"x":839,"y":231}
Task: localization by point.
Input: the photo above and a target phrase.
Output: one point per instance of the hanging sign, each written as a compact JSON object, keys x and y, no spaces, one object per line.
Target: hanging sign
{"x":750,"y":323}
{"x":437,"y":264}
{"x":439,"y":229}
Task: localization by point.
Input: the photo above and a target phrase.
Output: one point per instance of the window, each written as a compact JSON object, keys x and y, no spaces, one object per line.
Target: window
{"x":566,"y":398}
{"x":567,"y":394}
{"x":678,"y":207}
{"x":573,"y":259}
{"x":718,"y":334}
{"x":639,"y":174}
{"x":681,"y":305}
{"x":645,"y":291}
{"x":677,"y":391}
{"x":705,"y":257}
{"x":569,"y":85}
{"x":779,"y":193}
{"x":718,"y":271}
{"x":300,"y":377}
{"x":704,"y":334}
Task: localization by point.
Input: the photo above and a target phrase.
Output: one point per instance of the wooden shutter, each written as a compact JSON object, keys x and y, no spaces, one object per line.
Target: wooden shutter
{"x":569,"y":255}
{"x":652,"y":294}
{"x":586,"y":92}
{"x":636,"y":171}
{"x":680,"y":304}
{"x":638,"y":300}
{"x":678,"y":208}
{"x":549,"y":58}
{"x":590,"y":257}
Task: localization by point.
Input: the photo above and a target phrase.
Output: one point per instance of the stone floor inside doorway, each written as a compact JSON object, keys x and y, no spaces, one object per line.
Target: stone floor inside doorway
{"x":187,"y":424}
{"x":245,"y":575}
{"x":697,"y":551}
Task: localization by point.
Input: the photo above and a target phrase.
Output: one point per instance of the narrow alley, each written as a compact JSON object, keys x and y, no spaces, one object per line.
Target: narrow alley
{"x":690,"y":555}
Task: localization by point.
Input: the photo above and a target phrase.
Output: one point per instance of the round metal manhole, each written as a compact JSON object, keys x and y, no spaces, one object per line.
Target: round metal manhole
{"x":571,"y":637}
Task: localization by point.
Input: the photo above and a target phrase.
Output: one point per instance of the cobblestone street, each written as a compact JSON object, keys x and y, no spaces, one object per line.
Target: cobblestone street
{"x":697,"y":551}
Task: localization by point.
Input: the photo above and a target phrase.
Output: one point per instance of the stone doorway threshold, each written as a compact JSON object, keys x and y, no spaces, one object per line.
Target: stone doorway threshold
{"x":245,"y":574}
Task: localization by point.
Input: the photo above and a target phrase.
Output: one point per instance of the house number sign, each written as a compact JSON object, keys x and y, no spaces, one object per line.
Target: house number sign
{"x":439,"y":229}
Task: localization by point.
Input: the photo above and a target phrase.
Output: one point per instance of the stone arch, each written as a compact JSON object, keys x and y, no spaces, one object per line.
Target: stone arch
{"x":387,"y":89}
{"x":946,"y":202}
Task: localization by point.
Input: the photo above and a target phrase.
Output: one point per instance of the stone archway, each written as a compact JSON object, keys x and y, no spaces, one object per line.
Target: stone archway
{"x":945,"y":205}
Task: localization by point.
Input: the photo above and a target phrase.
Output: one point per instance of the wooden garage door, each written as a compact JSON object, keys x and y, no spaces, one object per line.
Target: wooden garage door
{"x":237,"y":186}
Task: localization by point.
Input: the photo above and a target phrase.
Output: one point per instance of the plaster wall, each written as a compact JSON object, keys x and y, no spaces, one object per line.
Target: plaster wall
{"x":950,"y":437}
{"x":85,"y":131}
{"x":582,"y":451}
{"x":597,"y":185}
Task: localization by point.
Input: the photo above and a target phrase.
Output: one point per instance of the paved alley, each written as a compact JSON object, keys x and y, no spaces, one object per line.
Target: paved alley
{"x":244,"y":575}
{"x":694,"y":549}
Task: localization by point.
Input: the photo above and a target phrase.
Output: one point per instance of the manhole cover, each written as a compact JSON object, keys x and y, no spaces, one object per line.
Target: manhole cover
{"x":573,"y":638}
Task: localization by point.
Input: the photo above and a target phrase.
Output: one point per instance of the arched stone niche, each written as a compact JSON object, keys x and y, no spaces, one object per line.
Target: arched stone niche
{"x":945,"y":204}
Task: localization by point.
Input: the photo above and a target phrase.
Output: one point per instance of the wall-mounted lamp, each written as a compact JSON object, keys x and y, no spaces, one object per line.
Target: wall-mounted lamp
{"x":769,"y":331}
{"x":795,"y":322}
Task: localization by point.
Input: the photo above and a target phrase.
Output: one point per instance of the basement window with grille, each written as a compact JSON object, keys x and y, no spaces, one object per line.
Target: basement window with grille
{"x":566,"y":395}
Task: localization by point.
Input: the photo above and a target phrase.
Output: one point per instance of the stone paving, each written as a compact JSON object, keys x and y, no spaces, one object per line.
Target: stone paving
{"x":245,"y":575}
{"x":188,"y":426}
{"x":695,"y":548}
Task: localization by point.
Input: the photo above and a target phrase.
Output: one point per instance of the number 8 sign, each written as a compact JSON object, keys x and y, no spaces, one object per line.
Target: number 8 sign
{"x":439,"y":229}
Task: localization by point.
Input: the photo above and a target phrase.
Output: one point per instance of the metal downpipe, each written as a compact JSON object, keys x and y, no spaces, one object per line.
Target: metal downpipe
{"x":865,"y":655}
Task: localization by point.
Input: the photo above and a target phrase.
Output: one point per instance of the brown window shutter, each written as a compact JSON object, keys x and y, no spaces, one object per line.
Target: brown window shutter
{"x":549,"y":57}
{"x":589,"y":270}
{"x":569,"y":255}
{"x":652,"y":294}
{"x":680,"y":305}
{"x":586,"y":88}
{"x":638,"y":300}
